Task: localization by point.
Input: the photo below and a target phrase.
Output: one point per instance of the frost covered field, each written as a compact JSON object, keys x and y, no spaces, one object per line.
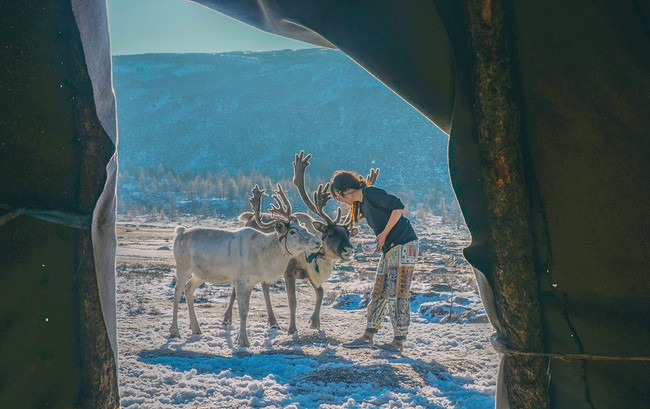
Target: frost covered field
{"x":447,"y":363}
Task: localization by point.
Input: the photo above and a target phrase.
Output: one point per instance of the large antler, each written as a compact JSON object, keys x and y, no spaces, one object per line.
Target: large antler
{"x":256,"y":202}
{"x":321,"y":195}
{"x":372,"y":177}
{"x":347,"y":220}
{"x":283,"y":210}
{"x":300,"y":164}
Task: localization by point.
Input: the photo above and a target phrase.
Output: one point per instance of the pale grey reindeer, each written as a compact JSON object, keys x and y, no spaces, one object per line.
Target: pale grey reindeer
{"x":243,"y":257}
{"x":317,"y":267}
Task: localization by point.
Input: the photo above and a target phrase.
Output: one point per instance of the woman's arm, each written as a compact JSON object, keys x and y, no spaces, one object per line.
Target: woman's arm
{"x":392,"y":221}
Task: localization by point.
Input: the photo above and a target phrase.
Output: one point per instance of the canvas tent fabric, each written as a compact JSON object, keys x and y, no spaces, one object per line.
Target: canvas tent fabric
{"x":58,"y":156}
{"x":545,"y":104}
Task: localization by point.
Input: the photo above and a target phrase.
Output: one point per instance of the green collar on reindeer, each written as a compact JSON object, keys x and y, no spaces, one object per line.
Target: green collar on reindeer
{"x":313,"y":257}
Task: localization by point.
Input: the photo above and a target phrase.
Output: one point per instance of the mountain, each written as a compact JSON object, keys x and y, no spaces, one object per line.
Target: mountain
{"x":243,"y":111}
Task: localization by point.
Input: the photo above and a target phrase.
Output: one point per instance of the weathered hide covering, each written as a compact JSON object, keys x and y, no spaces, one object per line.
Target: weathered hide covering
{"x":57,"y":262}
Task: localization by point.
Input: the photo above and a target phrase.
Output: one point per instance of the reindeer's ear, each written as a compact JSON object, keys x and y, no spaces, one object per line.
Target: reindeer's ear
{"x":320,"y":226}
{"x":354,"y":231}
{"x":281,"y":228}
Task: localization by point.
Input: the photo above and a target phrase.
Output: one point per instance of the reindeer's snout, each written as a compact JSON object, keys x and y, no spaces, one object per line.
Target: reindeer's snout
{"x":315,"y":243}
{"x":346,"y":253}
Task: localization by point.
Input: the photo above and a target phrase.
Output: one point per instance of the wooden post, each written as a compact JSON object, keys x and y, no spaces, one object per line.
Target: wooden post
{"x":513,"y":277}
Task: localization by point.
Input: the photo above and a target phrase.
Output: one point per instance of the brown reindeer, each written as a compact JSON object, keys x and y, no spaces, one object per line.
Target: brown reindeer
{"x":317,"y":267}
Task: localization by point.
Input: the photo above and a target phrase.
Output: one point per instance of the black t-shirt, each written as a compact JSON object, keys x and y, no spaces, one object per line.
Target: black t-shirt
{"x":376,"y":207}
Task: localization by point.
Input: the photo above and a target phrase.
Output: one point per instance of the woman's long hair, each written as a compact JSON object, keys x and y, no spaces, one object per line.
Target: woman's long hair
{"x":341,"y":181}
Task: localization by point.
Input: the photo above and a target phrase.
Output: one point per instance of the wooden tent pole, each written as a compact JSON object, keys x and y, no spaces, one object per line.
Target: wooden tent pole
{"x":513,"y":277}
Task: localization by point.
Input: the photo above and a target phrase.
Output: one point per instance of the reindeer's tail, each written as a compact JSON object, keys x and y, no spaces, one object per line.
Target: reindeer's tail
{"x":245,"y":217}
{"x":180,"y":230}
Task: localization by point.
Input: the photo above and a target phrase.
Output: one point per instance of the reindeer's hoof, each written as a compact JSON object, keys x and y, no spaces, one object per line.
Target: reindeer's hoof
{"x":276,"y":326}
{"x":226,"y":323}
{"x":173,"y":333}
{"x":243,"y":342}
{"x":195,"y":329}
{"x":292,"y":331}
{"x":314,"y":324}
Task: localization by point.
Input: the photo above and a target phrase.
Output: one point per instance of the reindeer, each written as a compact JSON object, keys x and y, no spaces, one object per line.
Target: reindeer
{"x":316,"y":267}
{"x":243,"y":257}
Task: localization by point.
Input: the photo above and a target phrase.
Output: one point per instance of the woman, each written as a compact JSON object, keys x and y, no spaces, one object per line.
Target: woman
{"x":398,"y":243}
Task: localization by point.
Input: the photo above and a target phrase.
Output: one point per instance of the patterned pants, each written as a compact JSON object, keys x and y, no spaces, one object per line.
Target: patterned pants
{"x":392,"y":289}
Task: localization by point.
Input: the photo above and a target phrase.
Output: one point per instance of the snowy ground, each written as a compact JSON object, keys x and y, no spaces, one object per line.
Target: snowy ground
{"x":447,"y":362}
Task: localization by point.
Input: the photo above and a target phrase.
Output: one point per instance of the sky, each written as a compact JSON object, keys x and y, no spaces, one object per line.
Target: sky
{"x":181,"y":26}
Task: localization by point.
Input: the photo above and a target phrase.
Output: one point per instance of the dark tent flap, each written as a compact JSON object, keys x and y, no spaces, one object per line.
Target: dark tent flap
{"x":585,"y":73}
{"x":55,"y":151}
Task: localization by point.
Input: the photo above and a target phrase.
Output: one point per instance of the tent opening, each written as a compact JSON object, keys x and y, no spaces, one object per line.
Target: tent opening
{"x":197,"y":131}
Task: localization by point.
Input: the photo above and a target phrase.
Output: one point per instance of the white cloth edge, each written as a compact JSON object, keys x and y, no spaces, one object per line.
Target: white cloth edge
{"x":92,"y":20}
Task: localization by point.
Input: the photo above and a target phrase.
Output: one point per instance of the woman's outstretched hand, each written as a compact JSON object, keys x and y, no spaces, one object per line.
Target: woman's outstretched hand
{"x":380,"y":240}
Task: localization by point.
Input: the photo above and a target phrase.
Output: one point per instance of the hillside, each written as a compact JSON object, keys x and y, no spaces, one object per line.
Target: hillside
{"x":241,"y":112}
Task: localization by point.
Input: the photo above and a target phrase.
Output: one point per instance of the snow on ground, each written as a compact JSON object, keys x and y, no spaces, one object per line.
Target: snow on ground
{"x":447,"y":362}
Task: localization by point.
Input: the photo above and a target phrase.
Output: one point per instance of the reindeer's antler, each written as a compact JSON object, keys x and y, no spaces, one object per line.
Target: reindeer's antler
{"x":347,"y":220}
{"x":300,"y":164}
{"x":372,"y":177}
{"x":321,"y":195}
{"x":283,"y":210}
{"x":256,"y":202}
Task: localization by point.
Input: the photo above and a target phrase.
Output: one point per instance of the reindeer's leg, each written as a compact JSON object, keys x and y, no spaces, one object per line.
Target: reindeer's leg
{"x":192,"y":284}
{"x":178,"y":293}
{"x":290,"y":281}
{"x":243,"y":302}
{"x":227,"y":317}
{"x":315,"y":317}
{"x":273,"y":323}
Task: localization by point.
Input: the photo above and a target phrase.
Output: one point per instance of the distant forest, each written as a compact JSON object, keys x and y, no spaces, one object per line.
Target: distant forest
{"x":165,"y":195}
{"x":221,"y":123}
